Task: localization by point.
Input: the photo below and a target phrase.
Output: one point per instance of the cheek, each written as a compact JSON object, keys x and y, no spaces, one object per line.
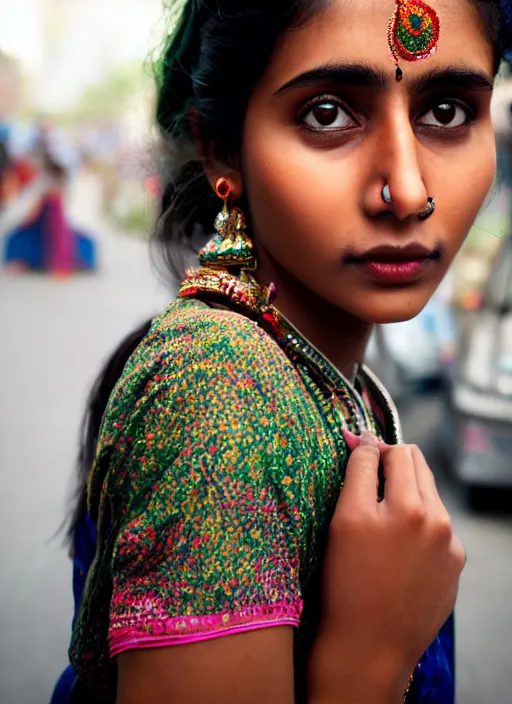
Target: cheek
{"x":297,"y":195}
{"x":463,"y":191}
{"x":283,"y":207}
{"x":478,"y":182}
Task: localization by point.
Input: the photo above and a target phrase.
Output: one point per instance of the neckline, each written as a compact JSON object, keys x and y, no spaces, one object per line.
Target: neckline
{"x":246,"y":296}
{"x":363,"y":374}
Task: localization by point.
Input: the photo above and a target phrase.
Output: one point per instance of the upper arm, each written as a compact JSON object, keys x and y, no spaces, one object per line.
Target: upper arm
{"x":250,"y":668}
{"x":206,"y":551}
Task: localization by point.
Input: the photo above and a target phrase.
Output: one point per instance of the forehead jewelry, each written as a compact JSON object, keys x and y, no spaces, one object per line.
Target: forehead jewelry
{"x":413,"y":32}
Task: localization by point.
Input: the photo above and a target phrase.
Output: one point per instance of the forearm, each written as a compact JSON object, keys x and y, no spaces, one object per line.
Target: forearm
{"x":338,"y":676}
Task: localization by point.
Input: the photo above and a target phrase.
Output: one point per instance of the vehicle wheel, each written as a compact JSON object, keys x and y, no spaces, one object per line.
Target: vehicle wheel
{"x":484,"y":499}
{"x":477,"y":497}
{"x":449,"y":434}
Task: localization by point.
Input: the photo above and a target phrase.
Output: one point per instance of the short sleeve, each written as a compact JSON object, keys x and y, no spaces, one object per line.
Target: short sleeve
{"x":205,"y":505}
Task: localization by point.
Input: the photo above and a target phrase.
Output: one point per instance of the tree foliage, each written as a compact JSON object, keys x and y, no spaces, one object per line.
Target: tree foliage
{"x":110,"y":97}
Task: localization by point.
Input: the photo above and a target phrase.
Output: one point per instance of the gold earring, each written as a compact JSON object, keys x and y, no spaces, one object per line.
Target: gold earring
{"x":231,"y":246}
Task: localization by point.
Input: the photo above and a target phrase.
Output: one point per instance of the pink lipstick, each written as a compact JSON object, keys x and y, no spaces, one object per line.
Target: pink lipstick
{"x":395,"y":265}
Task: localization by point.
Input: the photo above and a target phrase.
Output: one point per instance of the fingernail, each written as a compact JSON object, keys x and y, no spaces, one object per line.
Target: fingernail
{"x":368,"y":438}
{"x":351,"y":439}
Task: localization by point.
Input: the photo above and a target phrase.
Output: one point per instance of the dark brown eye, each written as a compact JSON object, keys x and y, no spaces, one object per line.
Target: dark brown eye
{"x":325,"y":116}
{"x":447,"y":114}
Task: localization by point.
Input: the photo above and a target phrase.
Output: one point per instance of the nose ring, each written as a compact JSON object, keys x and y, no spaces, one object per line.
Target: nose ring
{"x":428,"y":211}
{"x":422,"y":215}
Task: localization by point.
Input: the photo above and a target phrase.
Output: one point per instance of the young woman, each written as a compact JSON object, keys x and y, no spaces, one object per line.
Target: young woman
{"x":342,"y":174}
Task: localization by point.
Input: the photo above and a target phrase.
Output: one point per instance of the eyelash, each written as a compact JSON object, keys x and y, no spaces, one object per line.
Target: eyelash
{"x":447,"y":132}
{"x":320,"y":100}
{"x":471,"y":115}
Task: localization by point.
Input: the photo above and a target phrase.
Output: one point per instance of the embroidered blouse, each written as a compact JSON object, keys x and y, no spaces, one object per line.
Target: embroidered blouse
{"x":220,"y":463}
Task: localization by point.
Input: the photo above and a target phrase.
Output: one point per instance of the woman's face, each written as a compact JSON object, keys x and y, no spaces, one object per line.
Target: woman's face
{"x":328,"y":127}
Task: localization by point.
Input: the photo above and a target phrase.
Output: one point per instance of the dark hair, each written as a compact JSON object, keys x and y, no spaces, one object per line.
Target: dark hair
{"x":207,"y":72}
{"x":91,"y":423}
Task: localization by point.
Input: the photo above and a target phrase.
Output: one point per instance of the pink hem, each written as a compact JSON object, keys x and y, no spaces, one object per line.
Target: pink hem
{"x":166,"y":641}
{"x":135,"y":631}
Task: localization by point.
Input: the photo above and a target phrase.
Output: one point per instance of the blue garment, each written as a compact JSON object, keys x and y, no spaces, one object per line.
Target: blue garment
{"x":434,"y":679}
{"x":26,"y":245}
{"x":84,"y":543}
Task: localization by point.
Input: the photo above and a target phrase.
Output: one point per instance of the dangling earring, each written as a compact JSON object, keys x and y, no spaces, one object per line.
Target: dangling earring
{"x":231,"y":246}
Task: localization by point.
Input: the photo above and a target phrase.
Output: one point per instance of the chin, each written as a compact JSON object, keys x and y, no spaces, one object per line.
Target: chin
{"x":393,"y":317}
{"x":398,"y":309}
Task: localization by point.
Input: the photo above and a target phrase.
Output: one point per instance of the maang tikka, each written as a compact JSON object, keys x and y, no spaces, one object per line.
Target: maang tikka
{"x":413,"y":32}
{"x":231,"y":246}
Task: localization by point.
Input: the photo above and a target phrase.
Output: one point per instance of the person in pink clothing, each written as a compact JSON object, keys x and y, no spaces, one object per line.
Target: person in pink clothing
{"x":47,"y":241}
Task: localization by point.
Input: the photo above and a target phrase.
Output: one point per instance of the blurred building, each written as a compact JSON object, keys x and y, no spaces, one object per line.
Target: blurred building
{"x":67,"y":45}
{"x":10,"y":86}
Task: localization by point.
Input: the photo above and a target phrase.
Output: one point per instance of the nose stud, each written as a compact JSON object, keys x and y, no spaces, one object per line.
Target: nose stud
{"x":386,"y":195}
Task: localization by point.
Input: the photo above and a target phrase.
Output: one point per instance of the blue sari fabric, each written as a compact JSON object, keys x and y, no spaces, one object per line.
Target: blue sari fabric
{"x":84,"y":550}
{"x":26,"y":245}
{"x":434,"y":679}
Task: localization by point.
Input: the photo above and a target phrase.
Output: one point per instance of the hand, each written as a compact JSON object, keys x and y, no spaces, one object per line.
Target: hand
{"x":391,"y":576}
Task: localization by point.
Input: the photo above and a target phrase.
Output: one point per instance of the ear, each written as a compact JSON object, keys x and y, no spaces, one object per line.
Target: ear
{"x":214,"y":166}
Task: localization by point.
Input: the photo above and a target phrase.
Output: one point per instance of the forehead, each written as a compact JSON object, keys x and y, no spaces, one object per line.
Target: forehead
{"x":357,"y":31}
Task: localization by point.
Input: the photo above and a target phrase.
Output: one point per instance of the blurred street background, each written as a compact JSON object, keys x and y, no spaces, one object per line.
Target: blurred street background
{"x":76,"y":141}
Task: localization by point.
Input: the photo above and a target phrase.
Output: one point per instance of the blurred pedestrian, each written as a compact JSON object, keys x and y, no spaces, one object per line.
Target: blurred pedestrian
{"x":230,"y":565}
{"x":4,"y":171}
{"x":48,"y":241}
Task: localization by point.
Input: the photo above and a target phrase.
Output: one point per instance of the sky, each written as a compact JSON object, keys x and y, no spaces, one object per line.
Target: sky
{"x":65,"y":45}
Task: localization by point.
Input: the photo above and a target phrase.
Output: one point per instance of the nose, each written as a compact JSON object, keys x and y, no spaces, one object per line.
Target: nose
{"x":397,"y":165}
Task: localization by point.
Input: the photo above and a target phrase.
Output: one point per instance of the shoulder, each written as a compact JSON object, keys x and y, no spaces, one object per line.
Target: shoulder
{"x":198,"y":362}
{"x":205,"y":385}
{"x":191,"y":338}
{"x":194,"y":323}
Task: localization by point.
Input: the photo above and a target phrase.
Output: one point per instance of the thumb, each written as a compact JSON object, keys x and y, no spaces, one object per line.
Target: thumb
{"x":354,"y":441}
{"x":362,"y":471}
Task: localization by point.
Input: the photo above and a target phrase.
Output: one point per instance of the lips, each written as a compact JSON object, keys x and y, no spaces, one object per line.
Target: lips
{"x":390,"y":253}
{"x":395,"y":265}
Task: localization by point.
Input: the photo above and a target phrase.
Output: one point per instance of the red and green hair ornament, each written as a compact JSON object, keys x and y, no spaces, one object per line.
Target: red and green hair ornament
{"x":413,"y":32}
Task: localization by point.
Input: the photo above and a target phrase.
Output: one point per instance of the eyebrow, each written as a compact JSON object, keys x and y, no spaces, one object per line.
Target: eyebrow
{"x":357,"y":74}
{"x":366,"y":76}
{"x":470,"y":79}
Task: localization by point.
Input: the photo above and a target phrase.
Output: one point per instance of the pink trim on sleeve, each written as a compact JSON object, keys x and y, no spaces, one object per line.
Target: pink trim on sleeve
{"x":137,"y":631}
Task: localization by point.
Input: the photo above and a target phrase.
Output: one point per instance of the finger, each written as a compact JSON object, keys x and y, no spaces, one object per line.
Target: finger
{"x":459,"y":552}
{"x":353,"y":441}
{"x":362,"y":472}
{"x":401,"y":489}
{"x":426,"y":482}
